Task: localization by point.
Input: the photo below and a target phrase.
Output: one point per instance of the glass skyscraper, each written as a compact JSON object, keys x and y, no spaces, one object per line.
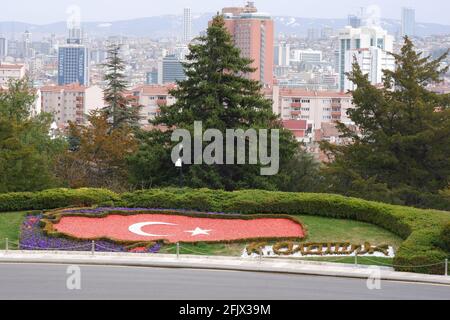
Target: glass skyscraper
{"x":73,"y":61}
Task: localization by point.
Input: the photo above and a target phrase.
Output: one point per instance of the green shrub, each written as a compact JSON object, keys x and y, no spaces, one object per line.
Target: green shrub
{"x":445,"y":237}
{"x":55,"y":198}
{"x":426,"y":232}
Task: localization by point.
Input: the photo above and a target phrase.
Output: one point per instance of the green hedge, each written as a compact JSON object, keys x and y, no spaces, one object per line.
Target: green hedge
{"x":55,"y":198}
{"x":445,"y":237}
{"x":423,"y":230}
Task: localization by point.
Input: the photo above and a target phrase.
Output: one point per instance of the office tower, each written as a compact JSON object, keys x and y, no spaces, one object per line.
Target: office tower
{"x":370,"y":47}
{"x":3,"y":48}
{"x":354,"y":21}
{"x":170,"y":70}
{"x":282,"y":54}
{"x":408,"y":22}
{"x":253,"y":34}
{"x":73,"y":60}
{"x":187,"y":25}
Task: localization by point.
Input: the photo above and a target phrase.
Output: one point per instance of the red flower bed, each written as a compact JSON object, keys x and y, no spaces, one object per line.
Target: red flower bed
{"x":177,"y":228}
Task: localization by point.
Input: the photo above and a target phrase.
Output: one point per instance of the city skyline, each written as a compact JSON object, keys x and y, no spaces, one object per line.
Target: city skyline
{"x":93,"y":10}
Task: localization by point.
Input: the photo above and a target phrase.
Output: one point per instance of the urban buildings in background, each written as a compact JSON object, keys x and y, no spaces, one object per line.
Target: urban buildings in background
{"x":9,"y":72}
{"x":187,"y":25}
{"x":303,"y":74}
{"x":170,"y":70}
{"x":253,"y":34}
{"x":73,"y":60}
{"x":408,"y":22}
{"x":354,"y":21}
{"x":3,"y":48}
{"x":369,"y":47}
{"x":70,"y":102}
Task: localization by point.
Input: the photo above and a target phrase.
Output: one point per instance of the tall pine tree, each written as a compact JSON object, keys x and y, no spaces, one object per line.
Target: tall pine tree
{"x":403,"y":150}
{"x":118,"y":108}
{"x":218,"y":93}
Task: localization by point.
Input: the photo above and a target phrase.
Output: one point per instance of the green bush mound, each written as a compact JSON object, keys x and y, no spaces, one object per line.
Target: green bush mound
{"x":55,"y":198}
{"x":425,"y":231}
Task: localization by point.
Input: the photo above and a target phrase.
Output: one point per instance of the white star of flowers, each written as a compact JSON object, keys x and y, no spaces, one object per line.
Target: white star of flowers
{"x":199,"y":231}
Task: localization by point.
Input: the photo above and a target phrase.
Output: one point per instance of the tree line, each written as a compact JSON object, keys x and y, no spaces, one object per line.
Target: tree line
{"x":401,"y":153}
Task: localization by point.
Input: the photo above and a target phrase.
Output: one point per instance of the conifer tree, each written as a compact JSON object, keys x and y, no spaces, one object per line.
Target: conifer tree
{"x":403,"y":150}
{"x":118,"y":109}
{"x":219,"y":93}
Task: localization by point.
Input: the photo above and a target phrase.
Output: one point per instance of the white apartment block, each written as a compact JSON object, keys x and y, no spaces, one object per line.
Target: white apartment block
{"x":151,"y":98}
{"x":70,"y":102}
{"x":370,"y":46}
{"x":11,"y":72}
{"x":315,"y":107}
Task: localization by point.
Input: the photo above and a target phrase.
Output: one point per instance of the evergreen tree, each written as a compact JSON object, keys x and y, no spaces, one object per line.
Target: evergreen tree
{"x":27,"y":153}
{"x":118,"y":109}
{"x":218,"y":93}
{"x":403,"y":150}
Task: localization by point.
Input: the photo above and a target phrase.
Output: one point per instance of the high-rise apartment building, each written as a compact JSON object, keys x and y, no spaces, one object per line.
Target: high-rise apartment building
{"x":253,"y":34}
{"x":370,"y":46}
{"x":282,"y":54}
{"x":3,"y":48}
{"x":26,"y":44}
{"x":408,"y":22}
{"x":187,"y":25}
{"x":73,"y":60}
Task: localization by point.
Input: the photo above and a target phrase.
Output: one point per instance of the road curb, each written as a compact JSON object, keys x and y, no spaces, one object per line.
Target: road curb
{"x":217,"y":263}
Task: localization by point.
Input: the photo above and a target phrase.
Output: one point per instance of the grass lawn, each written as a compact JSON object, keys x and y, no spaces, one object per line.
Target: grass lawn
{"x":320,"y":229}
{"x":10,"y":223}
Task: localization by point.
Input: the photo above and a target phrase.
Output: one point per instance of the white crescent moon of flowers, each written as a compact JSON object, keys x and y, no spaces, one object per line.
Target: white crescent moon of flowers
{"x":137,"y":228}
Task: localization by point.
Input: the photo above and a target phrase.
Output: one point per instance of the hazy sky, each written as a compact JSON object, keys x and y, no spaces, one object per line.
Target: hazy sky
{"x":45,"y":11}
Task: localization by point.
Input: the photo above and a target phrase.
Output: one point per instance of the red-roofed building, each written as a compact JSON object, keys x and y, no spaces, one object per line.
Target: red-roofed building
{"x":11,"y":72}
{"x":151,"y":98}
{"x":70,"y":102}
{"x":298,"y":128}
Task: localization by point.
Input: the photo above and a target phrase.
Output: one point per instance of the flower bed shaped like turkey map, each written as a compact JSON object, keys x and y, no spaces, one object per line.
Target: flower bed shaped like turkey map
{"x":126,"y":225}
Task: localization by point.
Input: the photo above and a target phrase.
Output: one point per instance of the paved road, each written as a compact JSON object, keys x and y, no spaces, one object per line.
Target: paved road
{"x":27,"y":281}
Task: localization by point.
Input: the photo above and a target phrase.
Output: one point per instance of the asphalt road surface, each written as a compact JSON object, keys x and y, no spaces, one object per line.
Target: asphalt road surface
{"x":31,"y":281}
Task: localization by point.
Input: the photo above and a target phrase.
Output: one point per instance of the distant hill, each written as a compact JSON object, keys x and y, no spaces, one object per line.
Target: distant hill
{"x":171,"y":26}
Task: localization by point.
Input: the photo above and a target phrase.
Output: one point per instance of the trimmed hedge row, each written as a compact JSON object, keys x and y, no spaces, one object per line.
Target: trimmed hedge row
{"x":423,"y":230}
{"x":55,"y":198}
